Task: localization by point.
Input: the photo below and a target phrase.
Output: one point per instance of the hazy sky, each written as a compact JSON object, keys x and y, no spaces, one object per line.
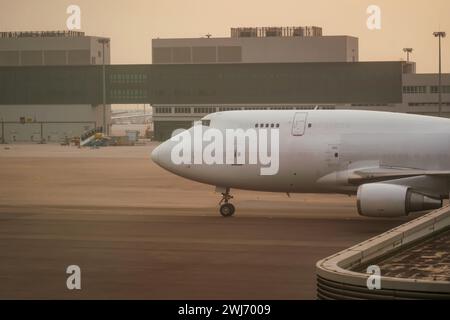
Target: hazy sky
{"x":132,"y":24}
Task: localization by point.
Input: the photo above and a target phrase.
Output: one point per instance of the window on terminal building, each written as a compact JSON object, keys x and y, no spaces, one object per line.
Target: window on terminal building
{"x":427,"y":104}
{"x":445,"y":89}
{"x":163,"y":110}
{"x":204,"y":109}
{"x":414,"y":89}
{"x":229,"y":108}
{"x":182,"y":110}
{"x":128,"y":78}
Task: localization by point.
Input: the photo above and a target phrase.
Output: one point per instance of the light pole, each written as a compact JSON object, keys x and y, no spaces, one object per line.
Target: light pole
{"x":440,"y":34}
{"x":3,"y":131}
{"x":104,"y":41}
{"x":408,"y":51}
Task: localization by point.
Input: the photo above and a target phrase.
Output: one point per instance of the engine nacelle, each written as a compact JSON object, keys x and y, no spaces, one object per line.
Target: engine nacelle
{"x":390,"y":200}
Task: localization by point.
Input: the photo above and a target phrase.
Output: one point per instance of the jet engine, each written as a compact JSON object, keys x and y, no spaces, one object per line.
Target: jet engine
{"x":390,"y":200}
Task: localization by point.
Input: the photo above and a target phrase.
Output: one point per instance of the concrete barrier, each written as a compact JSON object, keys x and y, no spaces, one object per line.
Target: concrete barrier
{"x":336,"y":280}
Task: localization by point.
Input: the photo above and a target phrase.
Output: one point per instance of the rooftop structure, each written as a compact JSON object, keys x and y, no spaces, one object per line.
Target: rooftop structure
{"x":258,"y":45}
{"x":40,"y":34}
{"x":34,"y":48}
{"x":255,"y":32}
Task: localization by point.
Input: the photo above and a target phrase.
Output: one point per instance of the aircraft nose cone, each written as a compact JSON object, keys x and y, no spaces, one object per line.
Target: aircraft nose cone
{"x":155,"y":154}
{"x":161,"y":155}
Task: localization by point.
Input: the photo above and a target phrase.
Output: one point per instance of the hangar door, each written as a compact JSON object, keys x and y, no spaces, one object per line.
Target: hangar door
{"x":299,"y":123}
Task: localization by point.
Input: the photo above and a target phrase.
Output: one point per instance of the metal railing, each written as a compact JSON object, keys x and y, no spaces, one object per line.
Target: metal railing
{"x":41,"y":34}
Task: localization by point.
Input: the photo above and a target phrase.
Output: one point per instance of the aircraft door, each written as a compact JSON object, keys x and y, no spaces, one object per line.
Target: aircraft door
{"x":239,"y":156}
{"x":299,"y":123}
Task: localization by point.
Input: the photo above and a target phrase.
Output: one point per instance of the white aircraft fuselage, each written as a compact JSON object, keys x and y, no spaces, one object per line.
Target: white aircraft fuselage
{"x":331,"y":151}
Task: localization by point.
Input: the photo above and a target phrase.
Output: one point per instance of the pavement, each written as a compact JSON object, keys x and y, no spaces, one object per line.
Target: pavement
{"x":139,"y":232}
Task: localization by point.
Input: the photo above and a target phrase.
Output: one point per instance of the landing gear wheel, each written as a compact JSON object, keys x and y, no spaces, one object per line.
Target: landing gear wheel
{"x":227,"y":210}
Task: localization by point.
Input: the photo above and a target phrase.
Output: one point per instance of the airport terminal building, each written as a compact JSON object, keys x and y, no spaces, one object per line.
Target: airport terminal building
{"x":258,"y":45}
{"x":255,"y":68}
{"x":37,"y":122}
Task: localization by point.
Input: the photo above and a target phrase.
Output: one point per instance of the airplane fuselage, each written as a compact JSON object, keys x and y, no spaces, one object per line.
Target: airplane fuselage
{"x":318,"y":149}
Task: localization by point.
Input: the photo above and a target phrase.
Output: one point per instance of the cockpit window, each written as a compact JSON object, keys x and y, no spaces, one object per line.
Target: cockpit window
{"x":206,"y":123}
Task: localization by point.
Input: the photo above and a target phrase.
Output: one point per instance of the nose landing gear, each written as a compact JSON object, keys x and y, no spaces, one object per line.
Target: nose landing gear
{"x":226,"y":209}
